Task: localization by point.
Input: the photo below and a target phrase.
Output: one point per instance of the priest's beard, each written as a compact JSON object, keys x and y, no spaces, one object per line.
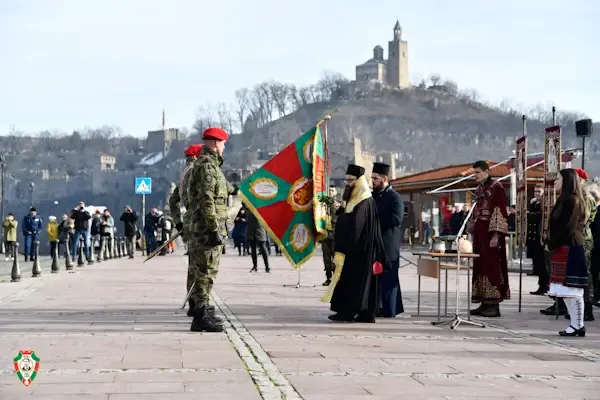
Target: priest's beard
{"x":347,"y":193}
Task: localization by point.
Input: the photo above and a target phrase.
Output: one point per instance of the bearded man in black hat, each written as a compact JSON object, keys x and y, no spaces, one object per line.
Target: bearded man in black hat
{"x":358,"y":255}
{"x":390,"y":208}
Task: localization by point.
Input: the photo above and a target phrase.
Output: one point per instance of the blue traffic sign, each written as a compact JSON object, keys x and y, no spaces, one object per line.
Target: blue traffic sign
{"x":143,"y":185}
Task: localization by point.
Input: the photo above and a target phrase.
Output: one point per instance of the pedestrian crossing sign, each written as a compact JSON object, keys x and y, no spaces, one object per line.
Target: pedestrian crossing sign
{"x":143,"y":185}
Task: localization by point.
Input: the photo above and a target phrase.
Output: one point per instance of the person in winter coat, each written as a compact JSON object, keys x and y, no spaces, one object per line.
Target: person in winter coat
{"x":32,"y":226}
{"x":130,"y":219}
{"x":66,"y":228}
{"x":10,"y":235}
{"x":81,"y":218}
{"x":239,"y":232}
{"x":107,"y":230}
{"x":257,"y":237}
{"x":96,"y":223}
{"x":150,"y":230}
{"x":53,"y":233}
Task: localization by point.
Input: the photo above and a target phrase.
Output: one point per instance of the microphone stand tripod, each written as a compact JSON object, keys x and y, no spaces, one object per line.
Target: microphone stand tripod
{"x":457,"y":320}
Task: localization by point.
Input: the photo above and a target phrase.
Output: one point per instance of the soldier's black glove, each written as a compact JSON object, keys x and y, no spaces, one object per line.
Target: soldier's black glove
{"x":214,"y":239}
{"x":179,"y":226}
{"x":235,"y":190}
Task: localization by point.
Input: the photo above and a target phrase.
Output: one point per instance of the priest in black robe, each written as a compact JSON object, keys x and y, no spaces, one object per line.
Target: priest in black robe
{"x":390,"y":208}
{"x":359,"y":252}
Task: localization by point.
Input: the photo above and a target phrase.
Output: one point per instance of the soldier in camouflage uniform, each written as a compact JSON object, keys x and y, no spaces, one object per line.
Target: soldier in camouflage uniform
{"x":588,"y":244}
{"x":208,"y":192}
{"x":328,"y":244}
{"x":179,"y":198}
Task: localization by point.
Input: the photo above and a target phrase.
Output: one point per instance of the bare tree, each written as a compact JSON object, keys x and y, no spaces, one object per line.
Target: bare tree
{"x":304,"y":96}
{"x":204,"y":119}
{"x":49,"y":141}
{"x":435,"y":79}
{"x":266,"y":99}
{"x":331,"y":87}
{"x":279,"y":95}
{"x":242,"y":97}
{"x":14,"y":140}
{"x":451,"y":86}
{"x":506,"y":106}
{"x":224,"y":116}
{"x":293,"y":97}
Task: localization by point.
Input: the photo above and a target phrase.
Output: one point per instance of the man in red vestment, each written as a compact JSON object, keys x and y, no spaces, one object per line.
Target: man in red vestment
{"x":489,"y":227}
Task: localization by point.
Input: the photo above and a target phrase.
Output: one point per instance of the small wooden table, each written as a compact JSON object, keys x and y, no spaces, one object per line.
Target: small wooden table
{"x":430,"y":265}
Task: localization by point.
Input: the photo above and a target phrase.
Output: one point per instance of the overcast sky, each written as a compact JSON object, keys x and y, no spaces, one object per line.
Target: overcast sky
{"x":66,"y":64}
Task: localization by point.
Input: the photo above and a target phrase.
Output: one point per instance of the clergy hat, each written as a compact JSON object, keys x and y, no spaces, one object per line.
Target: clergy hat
{"x":355,"y":170}
{"x":381,"y":169}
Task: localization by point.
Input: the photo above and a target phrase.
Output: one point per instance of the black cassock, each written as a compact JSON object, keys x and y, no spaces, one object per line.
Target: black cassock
{"x":358,"y":237}
{"x":390,"y":208}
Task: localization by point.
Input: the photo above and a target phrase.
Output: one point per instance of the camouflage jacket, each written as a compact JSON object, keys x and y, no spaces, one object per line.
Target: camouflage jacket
{"x":590,"y":215}
{"x":179,"y":195}
{"x":207,"y":193}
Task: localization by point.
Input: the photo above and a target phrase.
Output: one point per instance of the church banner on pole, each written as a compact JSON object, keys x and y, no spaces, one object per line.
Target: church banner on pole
{"x":521,"y":173}
{"x":552,"y":167}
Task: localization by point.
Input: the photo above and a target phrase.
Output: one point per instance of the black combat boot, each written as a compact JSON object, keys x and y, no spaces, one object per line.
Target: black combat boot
{"x":192,"y":305}
{"x":203,"y":323}
{"x":213,"y":316}
{"x":26,"y":259}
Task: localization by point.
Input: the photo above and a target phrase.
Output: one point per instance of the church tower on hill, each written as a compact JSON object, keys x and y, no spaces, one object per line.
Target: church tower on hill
{"x":397,"y":68}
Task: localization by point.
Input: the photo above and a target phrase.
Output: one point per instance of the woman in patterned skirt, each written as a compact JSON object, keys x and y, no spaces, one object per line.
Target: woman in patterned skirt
{"x":565,"y":241}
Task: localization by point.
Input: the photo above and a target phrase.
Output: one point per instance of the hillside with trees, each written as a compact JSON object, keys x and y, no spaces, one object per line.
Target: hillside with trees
{"x":453,"y":124}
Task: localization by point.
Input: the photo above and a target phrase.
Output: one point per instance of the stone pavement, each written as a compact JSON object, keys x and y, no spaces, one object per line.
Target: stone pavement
{"x":115,"y":331}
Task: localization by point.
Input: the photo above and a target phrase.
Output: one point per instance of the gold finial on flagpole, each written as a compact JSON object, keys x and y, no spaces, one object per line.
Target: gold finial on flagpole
{"x":328,"y":117}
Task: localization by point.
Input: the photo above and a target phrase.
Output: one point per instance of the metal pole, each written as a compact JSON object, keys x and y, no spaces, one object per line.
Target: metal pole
{"x":582,"y":156}
{"x":553,"y":116}
{"x":2,"y":164}
{"x":519,"y":233}
{"x":144,"y":244}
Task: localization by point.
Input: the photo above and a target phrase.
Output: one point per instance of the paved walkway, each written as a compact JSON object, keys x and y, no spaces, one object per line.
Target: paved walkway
{"x":115,"y":331}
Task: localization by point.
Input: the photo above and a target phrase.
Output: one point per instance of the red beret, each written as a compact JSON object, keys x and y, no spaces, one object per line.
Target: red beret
{"x":215,"y":134}
{"x":582,"y":174}
{"x":193,"y":150}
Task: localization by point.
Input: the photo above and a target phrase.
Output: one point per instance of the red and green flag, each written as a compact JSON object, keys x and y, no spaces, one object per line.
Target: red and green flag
{"x":284,"y":196}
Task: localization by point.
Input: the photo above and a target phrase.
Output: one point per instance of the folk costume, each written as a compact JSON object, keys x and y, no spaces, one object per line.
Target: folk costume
{"x":390,"y":209}
{"x":569,"y":273}
{"x":358,"y":246}
{"x":490,"y":269}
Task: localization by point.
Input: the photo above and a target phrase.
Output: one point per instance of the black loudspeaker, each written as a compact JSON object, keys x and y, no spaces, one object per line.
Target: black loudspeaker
{"x":409,"y":216}
{"x":583,"y":128}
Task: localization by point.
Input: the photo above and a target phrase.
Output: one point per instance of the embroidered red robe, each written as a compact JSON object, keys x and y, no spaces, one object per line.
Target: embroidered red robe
{"x":490,"y":270}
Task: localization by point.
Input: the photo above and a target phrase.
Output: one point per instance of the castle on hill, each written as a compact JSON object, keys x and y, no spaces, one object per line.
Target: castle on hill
{"x":392,"y":72}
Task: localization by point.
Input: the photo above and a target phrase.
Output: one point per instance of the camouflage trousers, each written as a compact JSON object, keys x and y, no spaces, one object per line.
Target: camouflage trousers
{"x":588,"y":245}
{"x":203,"y":267}
{"x":186,"y":227}
{"x":328,"y":247}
